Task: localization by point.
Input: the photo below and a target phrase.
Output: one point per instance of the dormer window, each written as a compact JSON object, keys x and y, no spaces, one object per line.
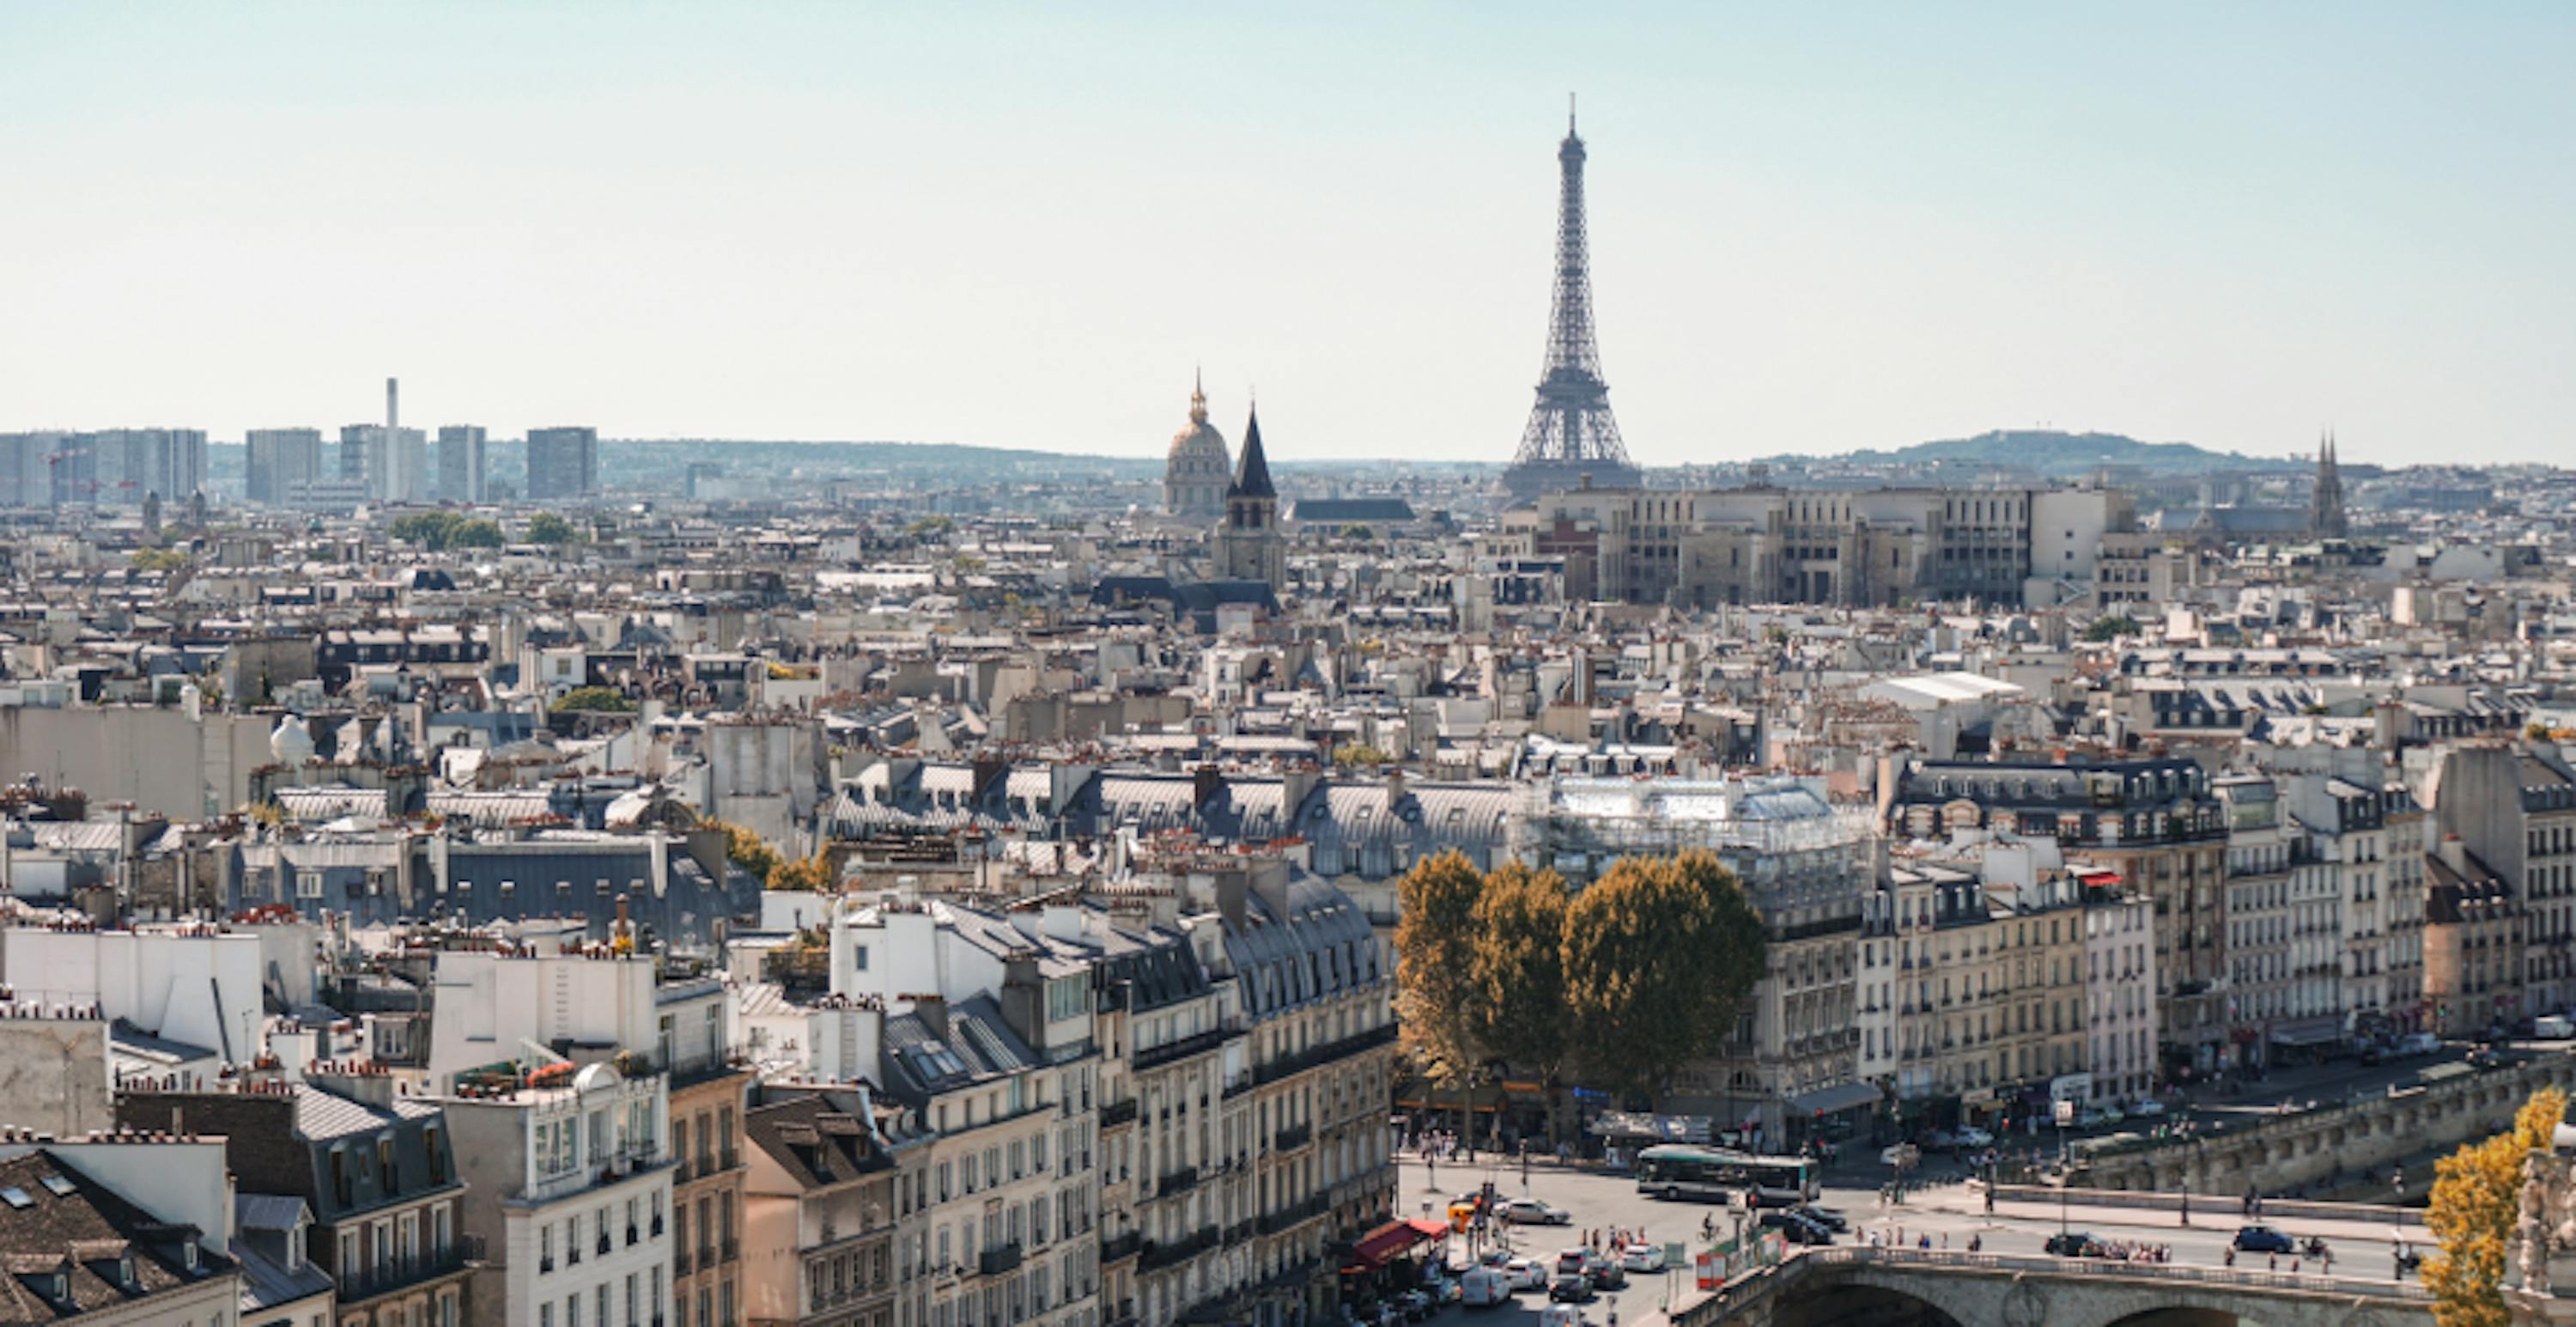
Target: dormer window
{"x":188,"y":1255}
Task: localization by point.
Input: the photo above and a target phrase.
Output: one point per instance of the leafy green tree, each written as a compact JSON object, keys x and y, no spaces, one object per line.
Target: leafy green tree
{"x":159,"y":559}
{"x":474,"y":534}
{"x":1435,"y":965}
{"x":1518,"y":1001}
{"x":547,"y":528}
{"x":594,"y":700}
{"x":432,"y":530}
{"x":2107,"y":629}
{"x":2476,"y":1193}
{"x":1659,"y":956}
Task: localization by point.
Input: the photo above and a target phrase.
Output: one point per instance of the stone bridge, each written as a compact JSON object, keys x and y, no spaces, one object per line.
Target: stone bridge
{"x":1862,"y":1287}
{"x":2278,"y":1152}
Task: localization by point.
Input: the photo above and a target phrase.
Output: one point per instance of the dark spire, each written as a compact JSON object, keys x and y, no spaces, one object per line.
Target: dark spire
{"x":1252,"y":473}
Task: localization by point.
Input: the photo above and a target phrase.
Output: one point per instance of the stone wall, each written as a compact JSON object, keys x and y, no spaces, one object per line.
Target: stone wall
{"x":2283,"y":1152}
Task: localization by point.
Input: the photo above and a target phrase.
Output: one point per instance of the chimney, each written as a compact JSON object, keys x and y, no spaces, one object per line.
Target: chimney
{"x":361,"y":1081}
{"x":933,"y":1010}
{"x":2455,"y":854}
{"x":1204,"y":781}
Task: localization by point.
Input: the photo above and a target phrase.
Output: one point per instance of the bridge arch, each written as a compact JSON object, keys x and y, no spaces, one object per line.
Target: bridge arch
{"x":1850,"y":1302}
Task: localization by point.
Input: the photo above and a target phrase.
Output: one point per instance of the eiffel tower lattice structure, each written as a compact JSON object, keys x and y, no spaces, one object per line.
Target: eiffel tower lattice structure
{"x":1571,"y":438}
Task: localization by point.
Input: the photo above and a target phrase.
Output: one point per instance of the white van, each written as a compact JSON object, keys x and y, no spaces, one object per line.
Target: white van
{"x":1484,"y":1288}
{"x":2553,"y":1027}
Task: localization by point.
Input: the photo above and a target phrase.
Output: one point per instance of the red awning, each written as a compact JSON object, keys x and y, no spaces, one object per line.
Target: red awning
{"x":1383,"y":1243}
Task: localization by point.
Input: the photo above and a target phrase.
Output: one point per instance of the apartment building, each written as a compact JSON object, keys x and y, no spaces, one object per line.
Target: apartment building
{"x":709,"y":1180}
{"x":2260,"y":849}
{"x":2513,"y":809}
{"x":2154,"y":822}
{"x":373,"y":1173}
{"x":571,"y":1177}
{"x":2119,"y":986}
{"x":563,"y":463}
{"x":821,"y":1214}
{"x":2474,"y":942}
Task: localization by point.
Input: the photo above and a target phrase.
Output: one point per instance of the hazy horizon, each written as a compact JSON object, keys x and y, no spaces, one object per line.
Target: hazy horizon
{"x":1812,"y":231}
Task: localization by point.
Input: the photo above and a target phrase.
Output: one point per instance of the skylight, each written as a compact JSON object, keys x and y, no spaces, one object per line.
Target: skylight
{"x":16,"y":1197}
{"x":61,"y":1187}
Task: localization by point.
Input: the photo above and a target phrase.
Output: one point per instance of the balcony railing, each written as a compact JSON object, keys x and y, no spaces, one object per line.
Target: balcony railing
{"x":1297,"y":1213}
{"x":1117,"y":1113}
{"x":1293,"y":1137}
{"x":1159,"y":1256}
{"x":681,"y":1262}
{"x":998,"y":1259}
{"x":367,"y":1282}
{"x":1176,"y":1181}
{"x":1169,"y":1051}
{"x":732,"y":1249}
{"x":1120,"y":1246}
{"x":1285,"y":1065}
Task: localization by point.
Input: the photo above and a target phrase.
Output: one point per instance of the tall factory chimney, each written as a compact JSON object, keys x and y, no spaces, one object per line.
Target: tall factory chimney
{"x":393,"y":406}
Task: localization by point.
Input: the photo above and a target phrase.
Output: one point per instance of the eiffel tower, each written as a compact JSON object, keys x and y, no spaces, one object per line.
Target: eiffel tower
{"x":1571,"y":437}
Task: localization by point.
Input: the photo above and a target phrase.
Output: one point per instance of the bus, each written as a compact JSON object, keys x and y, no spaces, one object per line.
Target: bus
{"x":1710,"y":1174}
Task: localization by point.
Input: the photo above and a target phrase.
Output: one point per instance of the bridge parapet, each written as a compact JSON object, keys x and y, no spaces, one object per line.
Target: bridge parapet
{"x":2019,"y":1290}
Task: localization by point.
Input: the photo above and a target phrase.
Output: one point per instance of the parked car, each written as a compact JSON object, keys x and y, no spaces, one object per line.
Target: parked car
{"x":1643,"y":1258}
{"x":1526,"y":1273}
{"x":2073,"y":1244}
{"x":1571,"y":1288}
{"x":1605,"y":1272}
{"x":1533,"y":1212}
{"x":2148,"y":1106}
{"x":1939,"y":1140}
{"x":1900,"y":1154}
{"x":1973,"y":1137}
{"x":2263,"y":1239}
{"x":1570,"y":1262}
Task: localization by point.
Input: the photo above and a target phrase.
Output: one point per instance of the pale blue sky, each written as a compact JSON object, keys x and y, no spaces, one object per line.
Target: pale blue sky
{"x":1815,"y":227}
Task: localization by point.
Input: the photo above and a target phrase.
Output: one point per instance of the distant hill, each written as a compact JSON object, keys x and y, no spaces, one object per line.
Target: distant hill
{"x":2059,"y":454}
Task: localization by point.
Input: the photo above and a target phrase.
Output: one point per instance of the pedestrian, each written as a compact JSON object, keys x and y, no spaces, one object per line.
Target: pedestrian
{"x":1976,"y":1243}
{"x":2276,"y":1262}
{"x":2229,"y":1255}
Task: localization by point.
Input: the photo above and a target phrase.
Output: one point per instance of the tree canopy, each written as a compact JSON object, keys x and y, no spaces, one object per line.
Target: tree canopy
{"x":2105,"y":629}
{"x":1626,"y":981}
{"x":547,"y":528}
{"x":439,"y":530}
{"x":1435,"y":965}
{"x":2477,"y":1192}
{"x":1659,"y":955}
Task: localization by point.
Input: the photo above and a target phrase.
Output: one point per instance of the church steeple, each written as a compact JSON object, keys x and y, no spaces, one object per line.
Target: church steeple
{"x":2326,"y":517}
{"x":1252,"y":473}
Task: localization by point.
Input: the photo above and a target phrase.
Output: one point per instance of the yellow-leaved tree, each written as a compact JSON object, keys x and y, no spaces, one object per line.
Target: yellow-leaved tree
{"x":2476,"y":1193}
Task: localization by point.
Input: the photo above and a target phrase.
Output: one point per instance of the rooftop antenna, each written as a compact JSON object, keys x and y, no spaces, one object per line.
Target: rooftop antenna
{"x":1569,"y":112}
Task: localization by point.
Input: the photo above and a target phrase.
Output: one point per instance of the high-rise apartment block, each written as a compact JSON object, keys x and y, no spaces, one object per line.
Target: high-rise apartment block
{"x":460,"y":463}
{"x":562,"y":463}
{"x":278,"y":460}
